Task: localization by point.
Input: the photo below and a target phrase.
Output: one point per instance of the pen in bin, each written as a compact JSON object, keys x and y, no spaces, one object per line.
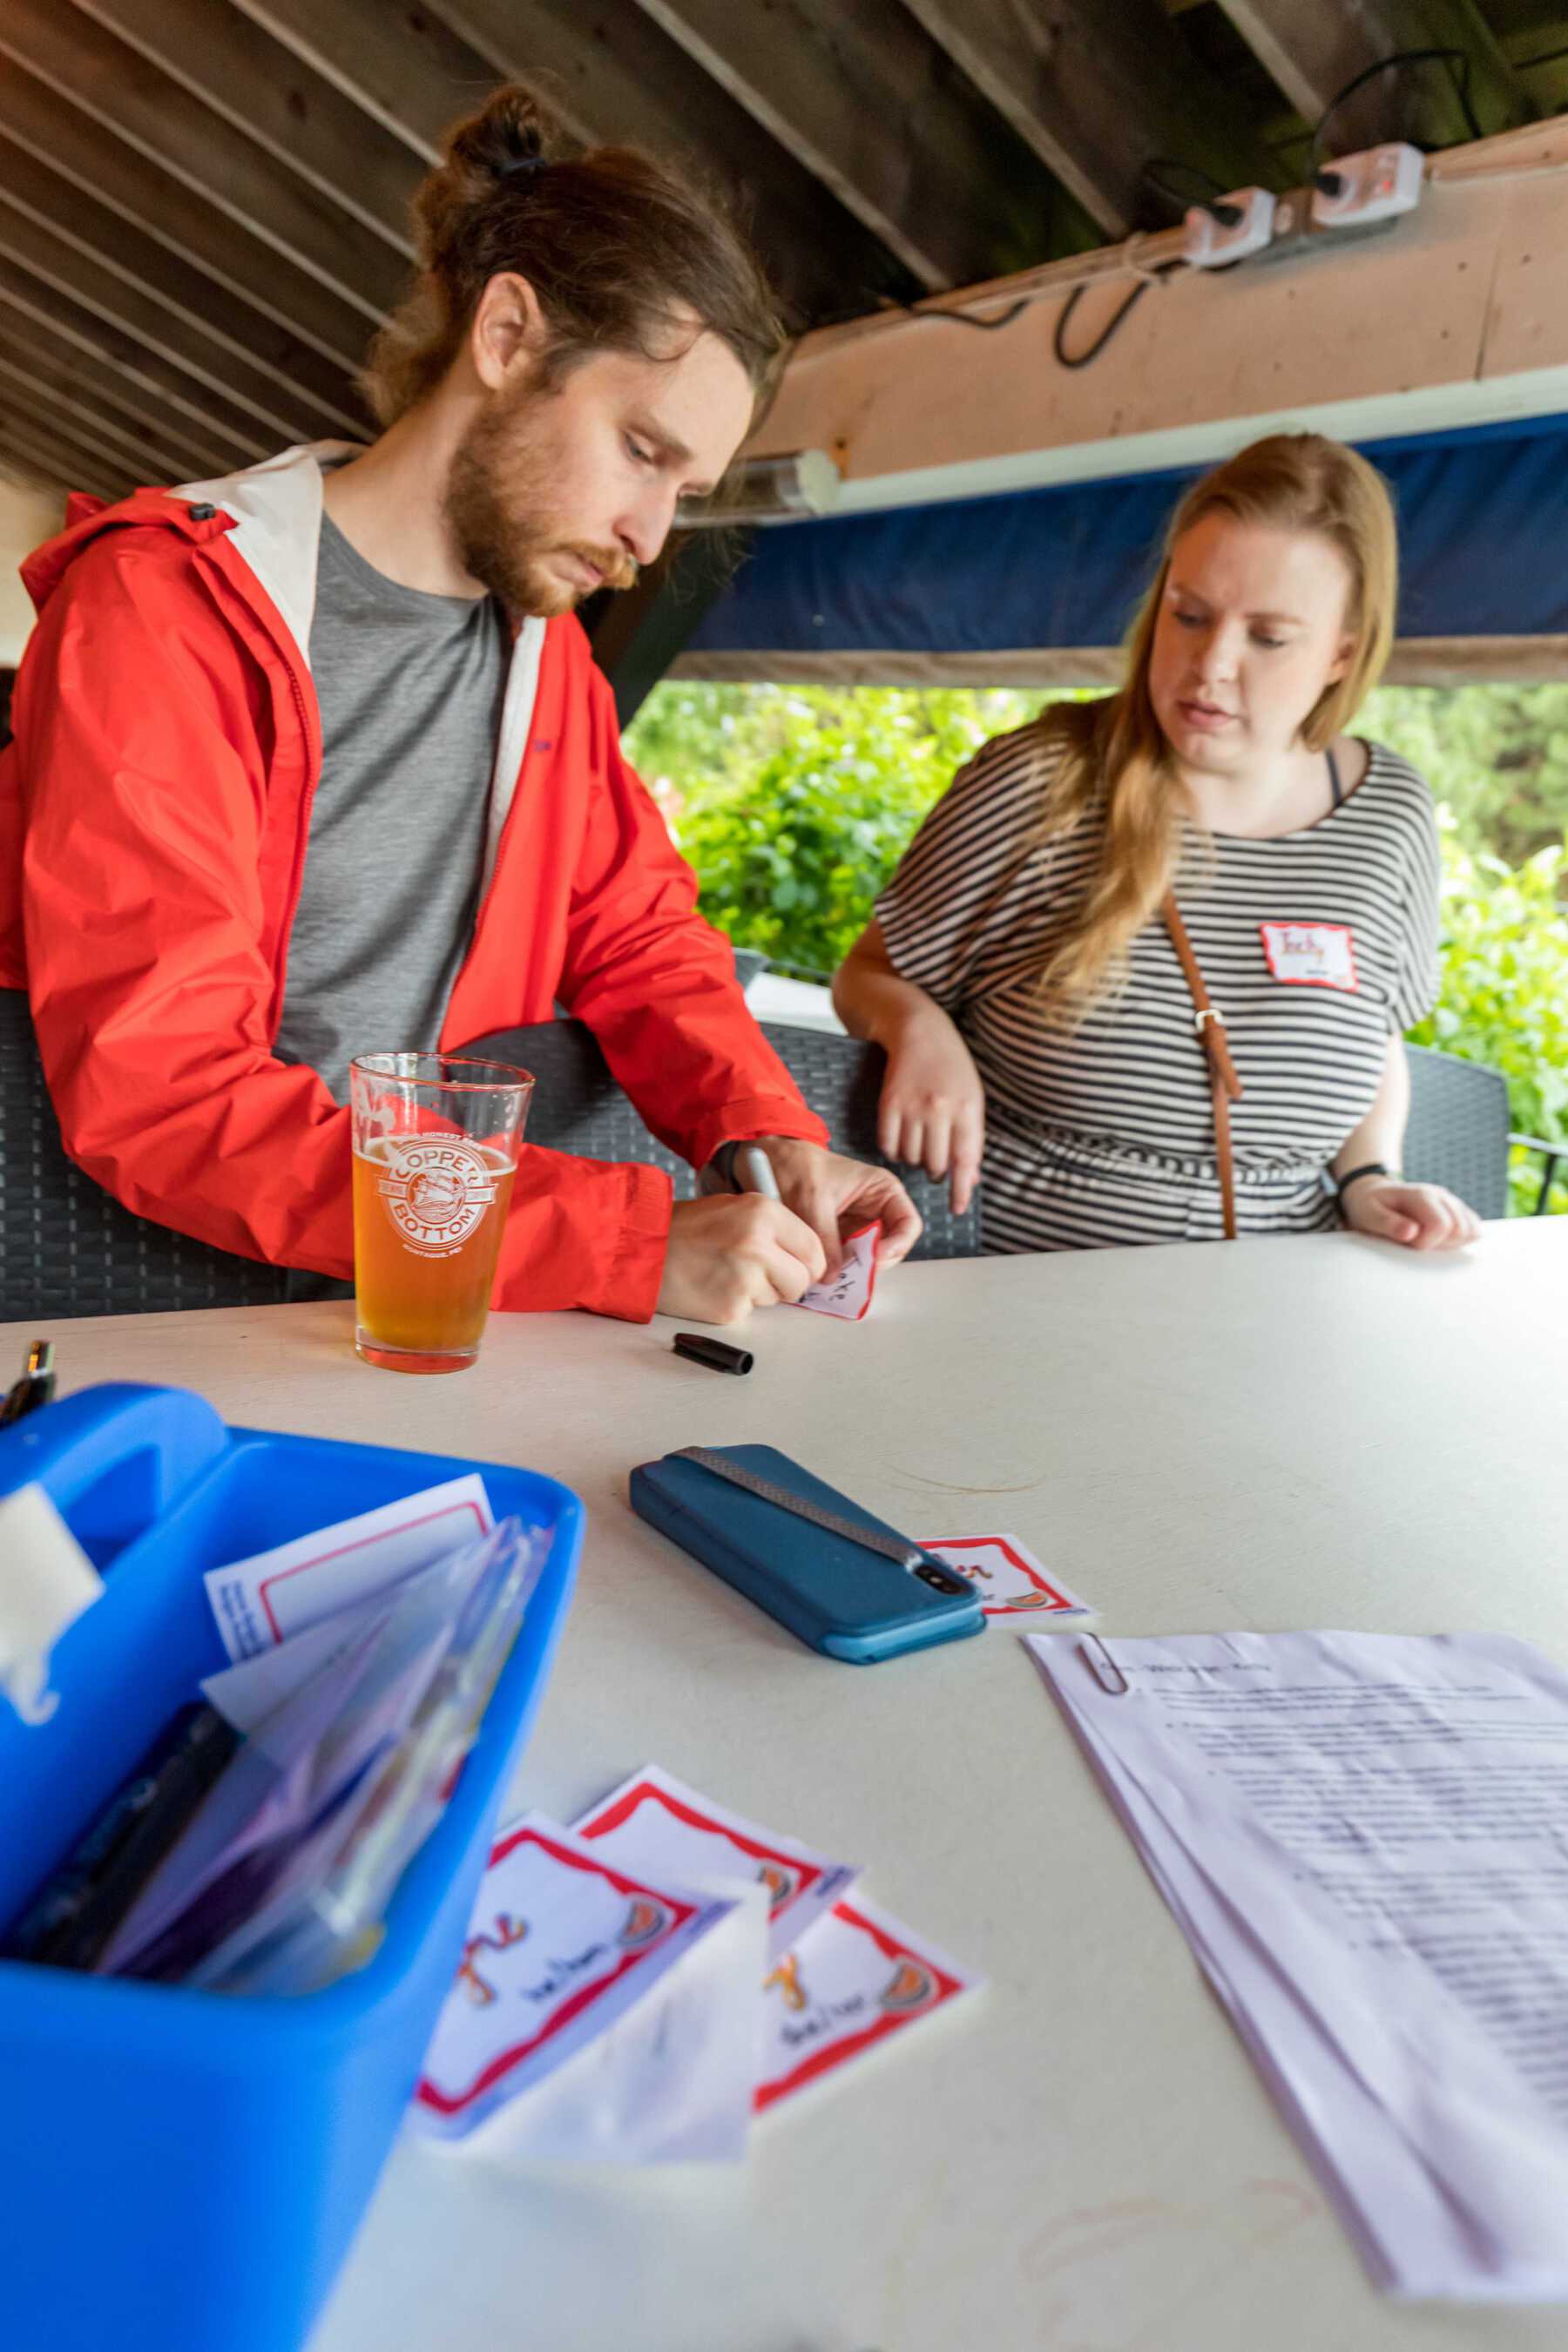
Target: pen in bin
{"x":35,"y":1388}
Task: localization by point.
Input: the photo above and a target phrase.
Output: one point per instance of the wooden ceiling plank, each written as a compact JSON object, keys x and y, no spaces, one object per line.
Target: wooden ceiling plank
{"x":54,"y":455}
{"x":272,"y":95}
{"x":105,"y":344}
{"x":402,"y":65}
{"x":137,"y":102}
{"x":53,"y":410}
{"x":864,"y":97}
{"x":68,"y":141}
{"x":139,"y":287}
{"x":1312,"y":52}
{"x":34,"y":355}
{"x":612,"y":75}
{"x":1098,"y":92}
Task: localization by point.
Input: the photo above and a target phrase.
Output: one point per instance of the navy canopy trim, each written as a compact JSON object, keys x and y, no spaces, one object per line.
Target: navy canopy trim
{"x":1483,"y":546}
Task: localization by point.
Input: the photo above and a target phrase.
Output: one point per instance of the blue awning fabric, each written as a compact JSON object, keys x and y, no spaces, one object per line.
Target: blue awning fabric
{"x":1484,"y":552}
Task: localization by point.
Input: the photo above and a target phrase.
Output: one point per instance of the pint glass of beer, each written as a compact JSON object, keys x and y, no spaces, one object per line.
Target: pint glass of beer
{"x":435,"y":1140}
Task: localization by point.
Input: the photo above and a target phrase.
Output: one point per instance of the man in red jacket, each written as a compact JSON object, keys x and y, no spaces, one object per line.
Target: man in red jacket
{"x":313,"y":761}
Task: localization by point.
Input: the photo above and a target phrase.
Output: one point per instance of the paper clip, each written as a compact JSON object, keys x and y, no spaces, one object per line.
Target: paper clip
{"x":1120,"y":1686}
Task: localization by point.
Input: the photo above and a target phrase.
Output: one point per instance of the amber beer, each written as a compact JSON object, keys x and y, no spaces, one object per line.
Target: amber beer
{"x":434,"y":1157}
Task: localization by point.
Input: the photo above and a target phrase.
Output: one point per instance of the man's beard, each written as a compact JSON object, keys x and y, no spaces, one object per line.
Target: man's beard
{"x":498,"y":505}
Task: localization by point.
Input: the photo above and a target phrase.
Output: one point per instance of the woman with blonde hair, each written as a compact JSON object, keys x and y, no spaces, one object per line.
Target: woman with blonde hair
{"x":1148,"y":963}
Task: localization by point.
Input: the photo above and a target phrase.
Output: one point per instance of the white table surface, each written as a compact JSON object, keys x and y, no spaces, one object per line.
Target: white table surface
{"x":1308,"y":1432}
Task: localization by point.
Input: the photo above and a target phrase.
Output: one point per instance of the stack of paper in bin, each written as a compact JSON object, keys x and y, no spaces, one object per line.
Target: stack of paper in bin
{"x":637,"y":1988}
{"x":1364,"y":1837}
{"x":364,"y":1657}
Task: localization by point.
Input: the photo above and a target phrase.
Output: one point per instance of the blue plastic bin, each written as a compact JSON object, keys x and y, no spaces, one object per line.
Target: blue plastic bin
{"x":182,"y":2171}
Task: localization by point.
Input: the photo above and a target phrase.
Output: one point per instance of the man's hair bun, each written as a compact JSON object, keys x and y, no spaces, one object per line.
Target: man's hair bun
{"x":510,"y":133}
{"x":622,"y":252}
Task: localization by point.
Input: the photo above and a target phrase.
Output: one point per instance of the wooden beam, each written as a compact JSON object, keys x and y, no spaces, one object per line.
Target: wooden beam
{"x":1455,"y":315}
{"x":1311,"y":52}
{"x":1098,"y":92}
{"x":403,"y":66}
{"x":612,"y":75}
{"x":106,"y":387}
{"x":56,"y":457}
{"x":44,"y":369}
{"x":72,"y":144}
{"x":90,"y":461}
{"x":63,"y":237}
{"x":1415,"y":661}
{"x":136,"y":102}
{"x":269,"y":95}
{"x":105,"y":352}
{"x":864,"y":97}
{"x":76,"y":425}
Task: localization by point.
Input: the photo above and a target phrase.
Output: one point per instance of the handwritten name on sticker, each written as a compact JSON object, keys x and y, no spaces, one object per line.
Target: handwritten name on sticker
{"x":858,"y":1978}
{"x":848,"y":1295}
{"x":1311,"y":955}
{"x":1008,"y":1578}
{"x":560,"y":1945}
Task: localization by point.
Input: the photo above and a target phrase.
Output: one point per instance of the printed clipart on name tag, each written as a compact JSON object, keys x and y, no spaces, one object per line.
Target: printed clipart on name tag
{"x":1311,"y":955}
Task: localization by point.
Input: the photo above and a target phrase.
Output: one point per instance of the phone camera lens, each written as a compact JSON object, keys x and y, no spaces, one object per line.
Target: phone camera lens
{"x":938,"y":1579}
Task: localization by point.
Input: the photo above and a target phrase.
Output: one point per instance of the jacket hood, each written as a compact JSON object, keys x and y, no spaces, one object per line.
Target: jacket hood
{"x":271,"y":514}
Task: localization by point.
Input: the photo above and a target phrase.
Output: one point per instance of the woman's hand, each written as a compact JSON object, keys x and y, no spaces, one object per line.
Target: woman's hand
{"x":1417,"y":1216}
{"x":932,"y":1111}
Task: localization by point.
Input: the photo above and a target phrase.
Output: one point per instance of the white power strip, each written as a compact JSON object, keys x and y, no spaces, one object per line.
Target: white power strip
{"x":1353,"y":190}
{"x":1215,"y":243}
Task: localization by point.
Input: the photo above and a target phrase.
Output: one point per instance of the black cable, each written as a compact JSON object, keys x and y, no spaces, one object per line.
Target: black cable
{"x":1458,"y":59}
{"x":1152,"y":173}
{"x":1548,"y":57}
{"x":962,"y":319}
{"x":1113,"y":325}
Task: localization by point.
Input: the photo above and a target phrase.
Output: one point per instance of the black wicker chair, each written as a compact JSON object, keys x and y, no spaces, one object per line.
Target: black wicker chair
{"x":65,"y":1247}
{"x":578,"y":1107}
{"x":1459,"y":1130}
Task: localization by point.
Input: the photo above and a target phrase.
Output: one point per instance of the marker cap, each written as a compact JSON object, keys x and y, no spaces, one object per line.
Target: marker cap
{"x":717,"y":1354}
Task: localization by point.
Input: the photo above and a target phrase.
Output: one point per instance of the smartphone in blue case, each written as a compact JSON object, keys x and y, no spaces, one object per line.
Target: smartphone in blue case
{"x":835,"y":1594}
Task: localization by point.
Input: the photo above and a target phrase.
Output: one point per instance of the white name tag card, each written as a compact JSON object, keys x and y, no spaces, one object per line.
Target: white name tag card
{"x":857,"y":1977}
{"x":654,"y":1822}
{"x":1311,"y":955}
{"x":1008,"y":1576}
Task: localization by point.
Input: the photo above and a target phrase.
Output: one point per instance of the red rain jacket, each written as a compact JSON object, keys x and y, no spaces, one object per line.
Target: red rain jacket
{"x":154,"y":812}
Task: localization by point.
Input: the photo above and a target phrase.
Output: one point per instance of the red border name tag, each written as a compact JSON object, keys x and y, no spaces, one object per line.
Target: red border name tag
{"x":1311,"y":955}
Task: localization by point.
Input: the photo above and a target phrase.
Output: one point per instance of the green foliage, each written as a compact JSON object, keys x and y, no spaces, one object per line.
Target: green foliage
{"x":794,"y":804}
{"x":1497,"y":756}
{"x":1504,"y":994}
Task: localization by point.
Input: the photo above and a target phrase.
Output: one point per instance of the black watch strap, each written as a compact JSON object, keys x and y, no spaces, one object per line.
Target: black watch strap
{"x":1367,"y":1168}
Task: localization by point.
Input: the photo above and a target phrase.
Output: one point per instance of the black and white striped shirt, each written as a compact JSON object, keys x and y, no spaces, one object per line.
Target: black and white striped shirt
{"x":1103,"y":1133}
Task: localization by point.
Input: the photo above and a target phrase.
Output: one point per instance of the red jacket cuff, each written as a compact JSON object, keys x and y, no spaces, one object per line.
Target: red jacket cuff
{"x":753,"y":1114}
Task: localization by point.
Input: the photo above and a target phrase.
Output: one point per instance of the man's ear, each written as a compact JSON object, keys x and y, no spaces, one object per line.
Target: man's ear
{"x":509,"y":330}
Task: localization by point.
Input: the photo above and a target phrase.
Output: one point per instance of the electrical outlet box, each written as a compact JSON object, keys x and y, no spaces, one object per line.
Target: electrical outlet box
{"x":1214,"y":243}
{"x":1353,"y":190}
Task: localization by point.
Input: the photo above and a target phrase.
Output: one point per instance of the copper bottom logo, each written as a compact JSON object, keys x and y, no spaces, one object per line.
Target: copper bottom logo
{"x":436,"y":1194}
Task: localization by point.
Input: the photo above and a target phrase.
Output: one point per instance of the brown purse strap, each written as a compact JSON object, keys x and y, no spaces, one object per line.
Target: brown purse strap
{"x":1225,"y":1087}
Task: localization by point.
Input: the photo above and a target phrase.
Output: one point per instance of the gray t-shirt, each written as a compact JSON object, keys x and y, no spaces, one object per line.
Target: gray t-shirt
{"x":410,"y":688}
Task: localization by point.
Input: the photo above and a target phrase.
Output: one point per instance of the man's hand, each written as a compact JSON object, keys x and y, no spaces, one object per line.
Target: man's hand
{"x":1417,"y":1216}
{"x":932,"y":1111}
{"x":835,"y":1196}
{"x":734,"y":1250}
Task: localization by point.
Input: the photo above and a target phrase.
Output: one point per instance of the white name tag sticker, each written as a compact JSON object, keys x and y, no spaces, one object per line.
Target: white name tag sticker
{"x":1311,"y":955}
